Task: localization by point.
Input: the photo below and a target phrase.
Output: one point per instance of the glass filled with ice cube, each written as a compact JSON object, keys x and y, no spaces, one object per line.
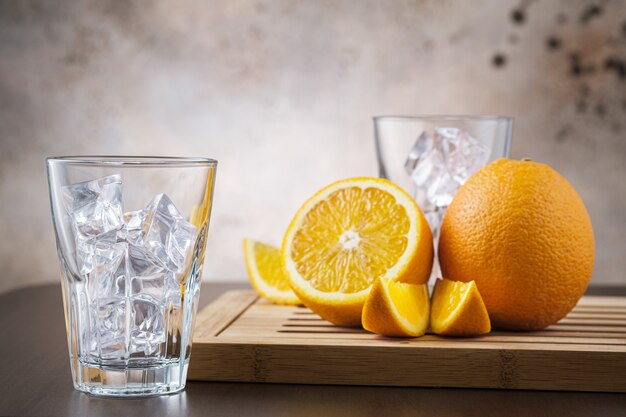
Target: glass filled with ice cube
{"x":131,"y":234}
{"x":432,"y":156}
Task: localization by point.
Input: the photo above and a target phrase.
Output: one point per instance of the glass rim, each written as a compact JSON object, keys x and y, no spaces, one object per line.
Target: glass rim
{"x":447,"y":117}
{"x":131,"y":161}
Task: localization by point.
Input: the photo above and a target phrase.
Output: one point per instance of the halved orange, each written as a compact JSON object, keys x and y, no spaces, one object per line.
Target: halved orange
{"x":346,"y":236}
{"x":457,"y":309}
{"x":397,"y":309}
{"x":266,"y":274}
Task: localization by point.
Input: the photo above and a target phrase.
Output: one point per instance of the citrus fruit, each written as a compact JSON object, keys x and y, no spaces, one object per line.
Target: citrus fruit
{"x":347,"y":235}
{"x":266,"y":274}
{"x":396,"y":309}
{"x":458,"y":310}
{"x":521,"y":231}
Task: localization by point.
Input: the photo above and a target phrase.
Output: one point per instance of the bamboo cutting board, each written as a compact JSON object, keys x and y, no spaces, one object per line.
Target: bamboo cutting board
{"x":241,"y":337}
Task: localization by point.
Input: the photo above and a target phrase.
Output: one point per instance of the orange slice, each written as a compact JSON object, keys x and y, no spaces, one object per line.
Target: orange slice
{"x":265,"y":273}
{"x":457,"y":309}
{"x":397,"y":309}
{"x":347,"y":235}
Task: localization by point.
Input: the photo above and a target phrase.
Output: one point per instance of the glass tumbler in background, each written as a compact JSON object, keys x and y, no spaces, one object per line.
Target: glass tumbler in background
{"x":131,"y":234}
{"x":432,"y":156}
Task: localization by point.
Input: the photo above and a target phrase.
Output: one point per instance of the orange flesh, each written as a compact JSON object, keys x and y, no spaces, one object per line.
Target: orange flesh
{"x":349,"y":239}
{"x":455,"y":292}
{"x":404,"y":298}
{"x":269,"y":257}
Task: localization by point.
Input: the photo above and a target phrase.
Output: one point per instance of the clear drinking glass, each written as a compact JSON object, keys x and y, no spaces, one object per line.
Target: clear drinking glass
{"x":131,"y":235}
{"x":432,"y":156}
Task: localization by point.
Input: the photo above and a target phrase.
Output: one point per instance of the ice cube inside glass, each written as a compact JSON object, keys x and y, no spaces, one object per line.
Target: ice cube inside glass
{"x":130,"y":278}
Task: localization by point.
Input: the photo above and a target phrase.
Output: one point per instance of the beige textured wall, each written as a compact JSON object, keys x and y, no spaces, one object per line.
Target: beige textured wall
{"x":281,"y":93}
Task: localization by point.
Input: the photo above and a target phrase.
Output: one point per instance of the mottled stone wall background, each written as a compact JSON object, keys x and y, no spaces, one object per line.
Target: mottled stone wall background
{"x":282,"y":92}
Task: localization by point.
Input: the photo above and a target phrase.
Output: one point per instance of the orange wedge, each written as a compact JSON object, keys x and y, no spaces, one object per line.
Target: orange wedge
{"x":457,"y":309}
{"x":266,"y":274}
{"x":347,"y":235}
{"x":396,"y":309}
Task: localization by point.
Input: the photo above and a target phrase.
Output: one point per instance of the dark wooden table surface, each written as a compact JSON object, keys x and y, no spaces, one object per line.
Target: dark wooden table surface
{"x":35,"y":381}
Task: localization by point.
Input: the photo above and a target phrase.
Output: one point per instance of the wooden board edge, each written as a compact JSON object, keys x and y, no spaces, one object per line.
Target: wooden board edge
{"x":219,"y":314}
{"x":425,"y":367}
{"x":401,"y":345}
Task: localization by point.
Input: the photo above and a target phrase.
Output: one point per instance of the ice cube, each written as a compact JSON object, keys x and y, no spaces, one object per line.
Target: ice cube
{"x":146,"y":271}
{"x":148,"y":331}
{"x":107,"y":284}
{"x":450,"y":134}
{"x":167,"y":234}
{"x":468,"y":157}
{"x":428,"y":169}
{"x":88,"y":250}
{"x":134,"y":227}
{"x":421,"y":147}
{"x":95,"y":207}
{"x":111,"y":325}
{"x":443,"y":193}
{"x":431,"y":177}
{"x":107,"y":270}
{"x":440,"y":164}
{"x":143,"y":264}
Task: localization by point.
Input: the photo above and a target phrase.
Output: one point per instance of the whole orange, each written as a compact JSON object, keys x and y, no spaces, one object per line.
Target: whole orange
{"x":522,"y":232}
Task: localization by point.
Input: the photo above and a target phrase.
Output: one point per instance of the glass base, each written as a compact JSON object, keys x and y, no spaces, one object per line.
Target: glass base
{"x":114,"y":381}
